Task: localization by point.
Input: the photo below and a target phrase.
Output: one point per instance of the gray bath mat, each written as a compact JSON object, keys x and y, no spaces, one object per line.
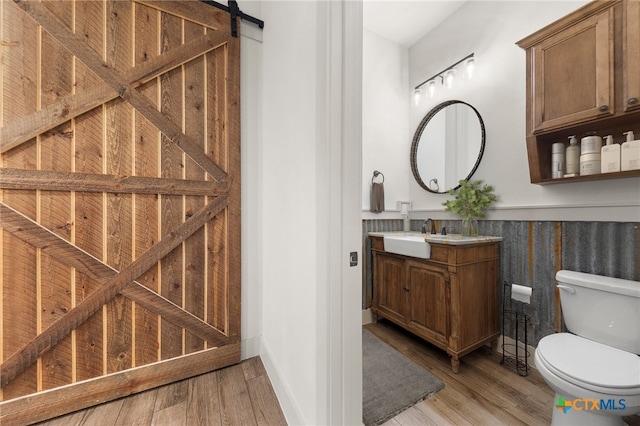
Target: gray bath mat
{"x":391,"y":381}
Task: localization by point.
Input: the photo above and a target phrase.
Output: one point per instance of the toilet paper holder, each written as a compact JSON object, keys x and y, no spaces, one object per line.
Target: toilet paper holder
{"x":516,"y":354}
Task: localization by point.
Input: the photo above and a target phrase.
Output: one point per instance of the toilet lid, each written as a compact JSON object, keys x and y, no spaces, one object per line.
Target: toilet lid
{"x":585,"y":362}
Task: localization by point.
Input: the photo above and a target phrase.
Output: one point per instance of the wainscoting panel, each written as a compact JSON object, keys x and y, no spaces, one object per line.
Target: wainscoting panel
{"x":603,"y":248}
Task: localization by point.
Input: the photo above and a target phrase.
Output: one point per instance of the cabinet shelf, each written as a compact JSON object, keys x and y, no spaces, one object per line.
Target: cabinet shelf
{"x":539,"y":147}
{"x":599,"y":176}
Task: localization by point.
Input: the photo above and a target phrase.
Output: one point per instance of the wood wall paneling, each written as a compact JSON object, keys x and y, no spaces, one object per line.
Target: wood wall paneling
{"x":194,"y":126}
{"x":147,"y":230}
{"x":20,"y":302}
{"x":171,"y":105}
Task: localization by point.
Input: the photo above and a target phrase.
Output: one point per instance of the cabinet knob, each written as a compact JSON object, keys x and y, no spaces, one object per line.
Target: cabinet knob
{"x":405,"y":288}
{"x":603,"y":108}
{"x":632,"y":101}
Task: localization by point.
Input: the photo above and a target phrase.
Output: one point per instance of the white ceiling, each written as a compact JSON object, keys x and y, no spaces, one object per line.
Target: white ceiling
{"x":406,"y":21}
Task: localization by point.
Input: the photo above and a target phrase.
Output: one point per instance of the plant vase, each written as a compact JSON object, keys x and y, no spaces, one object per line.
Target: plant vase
{"x":469,"y":227}
{"x":471,"y":201}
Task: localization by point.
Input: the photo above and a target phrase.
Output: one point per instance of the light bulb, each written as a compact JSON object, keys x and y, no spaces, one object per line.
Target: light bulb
{"x":431,"y":88}
{"x":449,"y":77}
{"x":471,"y":65}
{"x":416,"y":97}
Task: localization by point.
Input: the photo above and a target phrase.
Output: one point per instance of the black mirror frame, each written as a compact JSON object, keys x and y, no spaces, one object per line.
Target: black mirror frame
{"x":416,"y":140}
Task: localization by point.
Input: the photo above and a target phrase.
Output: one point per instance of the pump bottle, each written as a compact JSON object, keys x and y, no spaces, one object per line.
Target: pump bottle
{"x":610,"y":156}
{"x":630,"y":153}
{"x":573,"y":158}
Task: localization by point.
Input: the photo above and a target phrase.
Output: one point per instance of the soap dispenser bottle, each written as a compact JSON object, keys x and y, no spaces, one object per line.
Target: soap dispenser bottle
{"x":630,"y":153}
{"x":610,"y":158}
{"x":572,"y":158}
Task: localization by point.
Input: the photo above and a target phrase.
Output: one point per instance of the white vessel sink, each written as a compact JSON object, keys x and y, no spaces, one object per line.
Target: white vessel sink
{"x":408,"y":245}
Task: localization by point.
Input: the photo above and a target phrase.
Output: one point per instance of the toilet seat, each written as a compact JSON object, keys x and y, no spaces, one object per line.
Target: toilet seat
{"x":590,"y":365}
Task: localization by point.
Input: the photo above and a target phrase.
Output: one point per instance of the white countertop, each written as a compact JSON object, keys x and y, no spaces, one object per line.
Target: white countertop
{"x":452,"y":239}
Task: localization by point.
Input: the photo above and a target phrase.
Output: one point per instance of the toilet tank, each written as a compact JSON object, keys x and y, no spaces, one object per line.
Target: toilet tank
{"x":600,"y":308}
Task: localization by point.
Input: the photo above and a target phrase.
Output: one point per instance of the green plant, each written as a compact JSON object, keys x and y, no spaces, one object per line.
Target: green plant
{"x":471,"y":199}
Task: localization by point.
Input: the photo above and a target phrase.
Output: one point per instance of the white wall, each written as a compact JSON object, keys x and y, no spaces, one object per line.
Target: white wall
{"x":385,"y":114}
{"x":491,"y":29}
{"x":300,"y":149}
{"x":288,"y":243}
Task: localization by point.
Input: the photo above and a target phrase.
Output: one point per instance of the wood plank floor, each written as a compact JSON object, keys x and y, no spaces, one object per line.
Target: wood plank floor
{"x":236,"y":395}
{"x":482,"y":393}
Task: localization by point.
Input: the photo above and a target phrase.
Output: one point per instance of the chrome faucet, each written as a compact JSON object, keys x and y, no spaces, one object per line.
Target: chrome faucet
{"x":432,"y":230}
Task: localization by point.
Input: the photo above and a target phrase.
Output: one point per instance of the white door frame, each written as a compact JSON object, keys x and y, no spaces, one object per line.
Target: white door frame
{"x":340,"y":125}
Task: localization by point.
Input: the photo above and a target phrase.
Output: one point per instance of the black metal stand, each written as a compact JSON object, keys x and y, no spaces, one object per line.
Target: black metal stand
{"x":514,"y":355}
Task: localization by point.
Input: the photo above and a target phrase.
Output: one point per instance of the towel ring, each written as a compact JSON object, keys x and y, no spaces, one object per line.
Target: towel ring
{"x":375,"y":175}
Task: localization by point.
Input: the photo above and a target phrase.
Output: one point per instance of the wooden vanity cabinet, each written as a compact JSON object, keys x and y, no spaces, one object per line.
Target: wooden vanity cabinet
{"x":449,"y":300}
{"x":582,"y":76}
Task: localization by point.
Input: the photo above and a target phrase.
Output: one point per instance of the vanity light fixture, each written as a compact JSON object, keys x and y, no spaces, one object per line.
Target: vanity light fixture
{"x":416,"y":96}
{"x":447,"y":78}
{"x":431,"y":87}
{"x":471,"y":65}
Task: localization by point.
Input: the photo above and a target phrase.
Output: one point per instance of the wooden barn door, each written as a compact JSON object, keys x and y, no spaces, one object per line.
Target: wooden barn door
{"x":119,"y":200}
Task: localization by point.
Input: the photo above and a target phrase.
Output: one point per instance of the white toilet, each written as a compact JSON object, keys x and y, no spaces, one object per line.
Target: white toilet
{"x":595,"y":369}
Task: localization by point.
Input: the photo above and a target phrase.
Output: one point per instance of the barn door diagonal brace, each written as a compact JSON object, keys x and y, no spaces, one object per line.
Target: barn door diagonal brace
{"x":73,"y":256}
{"x":61,"y":328}
{"x":74,"y":44}
{"x":28,"y":127}
{"x":235,"y":12}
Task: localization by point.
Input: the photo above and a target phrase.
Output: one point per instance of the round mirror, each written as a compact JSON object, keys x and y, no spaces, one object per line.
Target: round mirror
{"x":447,"y":146}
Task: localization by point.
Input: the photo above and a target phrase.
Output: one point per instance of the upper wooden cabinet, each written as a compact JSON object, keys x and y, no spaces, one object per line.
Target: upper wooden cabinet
{"x":573,"y":74}
{"x":583,"y":75}
{"x":631,"y":52}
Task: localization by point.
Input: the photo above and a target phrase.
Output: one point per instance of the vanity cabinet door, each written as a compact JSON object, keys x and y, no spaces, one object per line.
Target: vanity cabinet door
{"x":631,"y":53}
{"x":428,"y":301}
{"x":573,"y":74}
{"x":390,"y":287}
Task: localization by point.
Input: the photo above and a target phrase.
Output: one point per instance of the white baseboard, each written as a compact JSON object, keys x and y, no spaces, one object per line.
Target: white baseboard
{"x":367,"y":316}
{"x":287,"y":402}
{"x":250,"y":347}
